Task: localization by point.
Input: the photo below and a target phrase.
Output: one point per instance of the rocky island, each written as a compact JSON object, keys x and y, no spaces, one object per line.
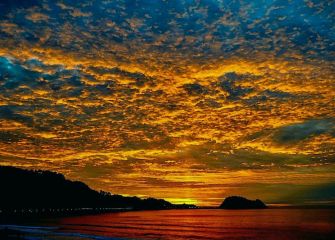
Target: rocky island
{"x":237,"y":202}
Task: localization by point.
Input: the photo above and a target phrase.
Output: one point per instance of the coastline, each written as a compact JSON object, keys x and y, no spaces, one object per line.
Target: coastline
{"x":7,"y":216}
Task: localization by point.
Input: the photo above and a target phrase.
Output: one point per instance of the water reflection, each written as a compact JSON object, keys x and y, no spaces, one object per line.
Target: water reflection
{"x":207,"y":224}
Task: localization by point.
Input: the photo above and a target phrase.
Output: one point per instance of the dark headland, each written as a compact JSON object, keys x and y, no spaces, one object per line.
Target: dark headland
{"x":237,"y":202}
{"x":35,"y":192}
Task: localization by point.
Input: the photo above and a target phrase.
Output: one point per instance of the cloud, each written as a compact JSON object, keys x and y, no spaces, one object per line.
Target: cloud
{"x":229,"y":83}
{"x":302,"y":131}
{"x":314,"y":194}
{"x":37,"y":17}
{"x":9,"y":113}
{"x":139,"y":78}
{"x":194,"y":89}
{"x":12,"y":74}
{"x":277,"y":94}
{"x":12,"y":136}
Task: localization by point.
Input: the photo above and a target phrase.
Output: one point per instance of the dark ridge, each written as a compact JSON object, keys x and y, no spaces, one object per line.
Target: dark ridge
{"x":236,"y":202}
{"x":45,"y":191}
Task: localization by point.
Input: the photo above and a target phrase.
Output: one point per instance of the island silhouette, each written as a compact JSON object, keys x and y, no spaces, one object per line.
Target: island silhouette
{"x":46,"y":193}
{"x":36,"y":192}
{"x":238,"y":202}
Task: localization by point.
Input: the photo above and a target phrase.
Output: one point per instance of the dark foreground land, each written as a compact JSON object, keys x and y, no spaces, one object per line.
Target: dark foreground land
{"x":44,"y":193}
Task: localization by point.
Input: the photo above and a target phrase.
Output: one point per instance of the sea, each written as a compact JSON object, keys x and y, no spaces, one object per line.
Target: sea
{"x":183,"y":224}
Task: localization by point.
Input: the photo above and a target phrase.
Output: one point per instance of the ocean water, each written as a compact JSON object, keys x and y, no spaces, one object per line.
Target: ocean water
{"x":192,"y":224}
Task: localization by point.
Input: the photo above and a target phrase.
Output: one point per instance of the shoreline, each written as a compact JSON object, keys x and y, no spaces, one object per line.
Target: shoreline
{"x":21,"y":216}
{"x":69,"y":212}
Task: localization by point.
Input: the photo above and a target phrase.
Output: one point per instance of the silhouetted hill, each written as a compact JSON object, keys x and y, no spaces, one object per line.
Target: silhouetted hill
{"x":30,"y":189}
{"x":236,"y":202}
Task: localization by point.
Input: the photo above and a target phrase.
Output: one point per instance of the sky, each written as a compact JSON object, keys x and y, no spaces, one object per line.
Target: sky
{"x":188,"y":100}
